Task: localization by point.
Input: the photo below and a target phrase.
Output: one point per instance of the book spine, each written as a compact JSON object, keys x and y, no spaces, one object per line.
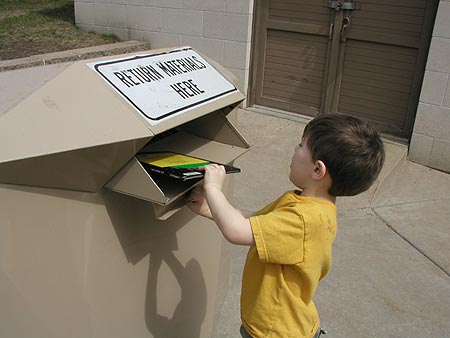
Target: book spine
{"x":157,"y":171}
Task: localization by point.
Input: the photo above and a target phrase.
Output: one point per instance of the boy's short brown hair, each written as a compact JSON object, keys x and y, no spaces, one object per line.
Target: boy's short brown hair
{"x":351,"y":149}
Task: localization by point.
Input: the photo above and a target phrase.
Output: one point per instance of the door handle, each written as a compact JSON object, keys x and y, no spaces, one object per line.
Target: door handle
{"x":345,"y":27}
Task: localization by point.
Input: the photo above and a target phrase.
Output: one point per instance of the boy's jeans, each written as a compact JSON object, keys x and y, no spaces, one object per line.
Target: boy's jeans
{"x":245,"y":334}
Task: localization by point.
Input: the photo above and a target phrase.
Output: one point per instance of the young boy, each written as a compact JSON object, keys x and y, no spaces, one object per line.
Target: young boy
{"x":290,"y":239}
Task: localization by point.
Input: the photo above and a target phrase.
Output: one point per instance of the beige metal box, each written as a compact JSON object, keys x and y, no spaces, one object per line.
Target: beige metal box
{"x":78,"y":260}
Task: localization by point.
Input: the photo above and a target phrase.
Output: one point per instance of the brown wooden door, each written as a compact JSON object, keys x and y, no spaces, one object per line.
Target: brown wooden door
{"x":364,"y":58}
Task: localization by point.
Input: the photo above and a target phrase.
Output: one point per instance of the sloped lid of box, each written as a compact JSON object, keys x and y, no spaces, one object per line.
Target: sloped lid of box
{"x":169,"y":87}
{"x":81,"y":127}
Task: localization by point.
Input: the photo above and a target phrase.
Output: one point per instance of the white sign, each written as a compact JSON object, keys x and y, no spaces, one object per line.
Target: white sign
{"x":162,"y":85}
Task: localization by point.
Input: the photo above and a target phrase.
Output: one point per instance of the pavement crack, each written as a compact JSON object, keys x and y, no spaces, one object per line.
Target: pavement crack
{"x":423,"y":253}
{"x":409,"y":202}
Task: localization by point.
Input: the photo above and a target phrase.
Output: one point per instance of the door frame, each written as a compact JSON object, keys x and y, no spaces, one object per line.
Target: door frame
{"x":330,"y":84}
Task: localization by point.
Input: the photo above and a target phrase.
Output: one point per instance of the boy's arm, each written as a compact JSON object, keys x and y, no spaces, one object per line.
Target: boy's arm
{"x":232,"y":223}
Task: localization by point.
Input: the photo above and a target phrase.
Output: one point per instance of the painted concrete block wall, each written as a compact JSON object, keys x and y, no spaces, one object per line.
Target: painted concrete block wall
{"x":430,"y":143}
{"x":220,"y":29}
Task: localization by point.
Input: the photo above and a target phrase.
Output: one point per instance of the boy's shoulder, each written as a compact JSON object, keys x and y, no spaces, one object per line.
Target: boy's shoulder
{"x":293,"y":201}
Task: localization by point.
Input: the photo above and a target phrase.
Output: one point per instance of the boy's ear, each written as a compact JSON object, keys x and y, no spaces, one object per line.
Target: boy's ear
{"x":320,"y":170}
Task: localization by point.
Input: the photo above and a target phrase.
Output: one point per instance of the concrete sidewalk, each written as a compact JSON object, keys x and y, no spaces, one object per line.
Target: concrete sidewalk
{"x":391,"y":272}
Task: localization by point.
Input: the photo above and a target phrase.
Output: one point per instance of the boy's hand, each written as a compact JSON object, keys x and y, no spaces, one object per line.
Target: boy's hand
{"x":214,"y":176}
{"x":197,"y":202}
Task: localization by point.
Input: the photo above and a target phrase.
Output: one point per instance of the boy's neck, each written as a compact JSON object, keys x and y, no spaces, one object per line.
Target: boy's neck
{"x":323,"y":195}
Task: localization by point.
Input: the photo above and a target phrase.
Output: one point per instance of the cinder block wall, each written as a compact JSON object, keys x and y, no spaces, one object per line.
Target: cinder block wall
{"x":220,"y":29}
{"x":430,"y":143}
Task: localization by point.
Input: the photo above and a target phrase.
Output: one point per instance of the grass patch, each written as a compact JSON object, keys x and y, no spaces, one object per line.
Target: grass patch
{"x":30,"y":27}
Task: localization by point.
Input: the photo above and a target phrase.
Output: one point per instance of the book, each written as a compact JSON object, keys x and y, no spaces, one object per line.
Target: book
{"x":177,"y":166}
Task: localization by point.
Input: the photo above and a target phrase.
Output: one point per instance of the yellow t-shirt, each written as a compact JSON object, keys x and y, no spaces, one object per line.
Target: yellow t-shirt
{"x":293,"y":236}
